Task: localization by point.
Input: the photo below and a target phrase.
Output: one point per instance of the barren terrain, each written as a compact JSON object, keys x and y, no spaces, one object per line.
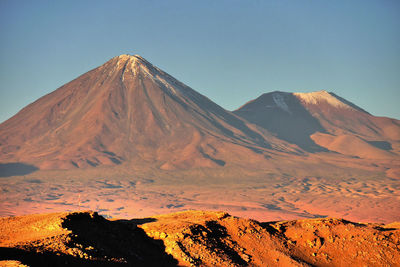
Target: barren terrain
{"x":362,"y":196}
{"x":194,"y":238}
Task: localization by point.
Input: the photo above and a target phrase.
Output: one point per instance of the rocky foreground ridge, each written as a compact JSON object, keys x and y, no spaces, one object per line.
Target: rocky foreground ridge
{"x":194,"y":238}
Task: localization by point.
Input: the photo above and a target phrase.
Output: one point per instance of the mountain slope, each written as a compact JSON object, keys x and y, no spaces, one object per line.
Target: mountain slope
{"x":322,"y":121}
{"x":128,"y":110}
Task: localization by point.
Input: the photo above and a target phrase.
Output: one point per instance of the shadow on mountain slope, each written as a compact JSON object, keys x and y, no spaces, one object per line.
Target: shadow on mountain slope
{"x":16,"y":168}
{"x":294,"y":125}
{"x":381,"y":145}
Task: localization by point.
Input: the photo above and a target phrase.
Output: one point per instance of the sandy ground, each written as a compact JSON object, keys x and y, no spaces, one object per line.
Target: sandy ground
{"x":362,"y":196}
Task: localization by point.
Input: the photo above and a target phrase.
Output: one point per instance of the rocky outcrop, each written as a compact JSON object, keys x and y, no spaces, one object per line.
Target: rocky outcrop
{"x":195,"y":238}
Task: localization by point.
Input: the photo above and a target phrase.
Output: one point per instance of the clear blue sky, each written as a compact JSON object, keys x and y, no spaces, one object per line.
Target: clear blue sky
{"x":231,"y":51}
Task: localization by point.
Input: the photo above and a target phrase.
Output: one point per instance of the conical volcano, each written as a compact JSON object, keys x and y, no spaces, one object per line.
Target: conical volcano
{"x":128,"y":110}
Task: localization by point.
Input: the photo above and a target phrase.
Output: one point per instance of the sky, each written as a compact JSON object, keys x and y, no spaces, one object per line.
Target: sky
{"x":229,"y":50}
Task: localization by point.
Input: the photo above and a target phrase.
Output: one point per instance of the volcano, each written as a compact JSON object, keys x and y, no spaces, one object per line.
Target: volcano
{"x":324,"y":122}
{"x":128,"y":110}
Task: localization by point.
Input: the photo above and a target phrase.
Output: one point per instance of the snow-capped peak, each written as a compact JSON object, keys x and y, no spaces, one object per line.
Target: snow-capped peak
{"x":132,"y":59}
{"x":135,"y":64}
{"x":320,"y":96}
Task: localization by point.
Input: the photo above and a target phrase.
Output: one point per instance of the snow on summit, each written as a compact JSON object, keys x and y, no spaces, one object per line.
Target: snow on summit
{"x":320,"y":96}
{"x":135,"y":64}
